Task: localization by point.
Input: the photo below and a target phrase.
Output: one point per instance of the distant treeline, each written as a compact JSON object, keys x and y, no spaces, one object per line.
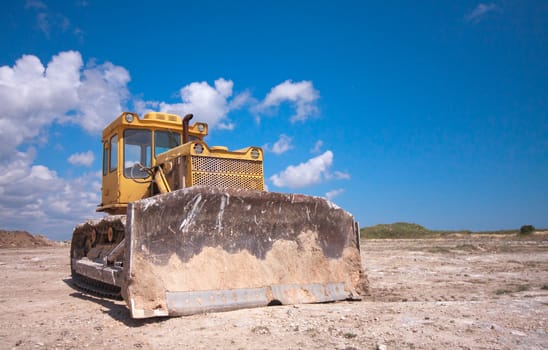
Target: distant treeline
{"x":410,"y":230}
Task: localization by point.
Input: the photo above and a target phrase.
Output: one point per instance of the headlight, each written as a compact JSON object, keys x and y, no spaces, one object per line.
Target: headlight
{"x":201,"y":127}
{"x":198,"y":148}
{"x":254,"y":153}
{"x":129,"y":117}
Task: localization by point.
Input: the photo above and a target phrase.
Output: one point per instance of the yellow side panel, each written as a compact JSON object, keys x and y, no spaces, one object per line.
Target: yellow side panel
{"x":132,"y":190}
{"x":110,"y":188}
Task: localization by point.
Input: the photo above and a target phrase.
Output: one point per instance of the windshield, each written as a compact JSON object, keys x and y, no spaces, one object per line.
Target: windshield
{"x":137,"y":152}
{"x":165,"y":140}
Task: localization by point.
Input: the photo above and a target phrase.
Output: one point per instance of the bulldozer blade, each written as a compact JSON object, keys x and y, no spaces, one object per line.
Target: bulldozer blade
{"x":203,"y":249}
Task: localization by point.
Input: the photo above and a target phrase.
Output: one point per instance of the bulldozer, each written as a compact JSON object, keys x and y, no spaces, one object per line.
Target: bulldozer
{"x":190,"y":228}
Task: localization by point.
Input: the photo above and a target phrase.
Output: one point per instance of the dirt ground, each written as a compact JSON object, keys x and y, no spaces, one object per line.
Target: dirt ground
{"x":23,"y":239}
{"x":458,"y":293}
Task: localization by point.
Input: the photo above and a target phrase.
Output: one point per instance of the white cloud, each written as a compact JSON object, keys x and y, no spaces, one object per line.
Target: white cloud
{"x":334,"y":193}
{"x":339,"y":175}
{"x":35,"y":4}
{"x":142,"y":107}
{"x":301,"y":94}
{"x":317,"y":147}
{"x":210,"y":104}
{"x":85,"y":159}
{"x":480,"y":11}
{"x":50,"y":22}
{"x":241,"y":100}
{"x":101,"y":96}
{"x":36,"y":199}
{"x":33,"y":96}
{"x":281,"y":146}
{"x":309,"y":173}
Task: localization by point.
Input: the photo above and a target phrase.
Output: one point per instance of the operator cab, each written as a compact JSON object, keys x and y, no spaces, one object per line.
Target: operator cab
{"x":130,"y":148}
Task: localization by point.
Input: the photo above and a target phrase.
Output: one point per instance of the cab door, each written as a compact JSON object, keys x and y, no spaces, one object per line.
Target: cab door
{"x":110,"y":189}
{"x":135,"y":178}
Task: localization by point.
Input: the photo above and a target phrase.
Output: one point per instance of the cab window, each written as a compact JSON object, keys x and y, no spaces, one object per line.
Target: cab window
{"x":165,"y":140}
{"x":113,"y":151}
{"x":105,"y":158}
{"x":137,"y":153}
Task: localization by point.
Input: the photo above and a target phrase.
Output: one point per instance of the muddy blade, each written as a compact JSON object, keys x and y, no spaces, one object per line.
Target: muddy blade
{"x":205,"y":249}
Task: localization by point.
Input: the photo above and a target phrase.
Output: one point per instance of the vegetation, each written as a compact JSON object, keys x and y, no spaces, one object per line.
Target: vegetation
{"x":522,"y":288}
{"x":402,"y":230}
{"x":411,"y":230}
{"x":502,"y":291}
{"x":349,"y":335}
{"x":517,"y":289}
{"x":526,"y":229}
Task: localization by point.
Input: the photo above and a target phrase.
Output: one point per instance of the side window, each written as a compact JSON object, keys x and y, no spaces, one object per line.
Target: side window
{"x":165,"y":140}
{"x":113,"y":153}
{"x":105,"y":158}
{"x":137,"y":153}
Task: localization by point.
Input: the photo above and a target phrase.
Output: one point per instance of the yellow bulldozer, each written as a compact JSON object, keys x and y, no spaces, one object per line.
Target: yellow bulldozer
{"x":191,"y":229}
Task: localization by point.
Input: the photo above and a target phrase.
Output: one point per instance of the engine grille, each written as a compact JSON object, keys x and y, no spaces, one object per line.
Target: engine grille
{"x":222,"y":172}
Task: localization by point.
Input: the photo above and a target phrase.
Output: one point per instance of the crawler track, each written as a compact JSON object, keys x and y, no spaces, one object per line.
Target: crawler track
{"x":95,"y":240}
{"x":95,"y":287}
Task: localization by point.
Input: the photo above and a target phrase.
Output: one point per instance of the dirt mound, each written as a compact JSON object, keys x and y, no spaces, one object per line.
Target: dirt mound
{"x":22,"y":239}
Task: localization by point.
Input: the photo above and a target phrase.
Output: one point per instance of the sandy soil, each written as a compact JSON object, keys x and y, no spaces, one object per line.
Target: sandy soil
{"x":481,"y":293}
{"x":23,"y":239}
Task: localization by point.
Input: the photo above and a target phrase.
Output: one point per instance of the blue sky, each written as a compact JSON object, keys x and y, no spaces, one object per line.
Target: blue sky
{"x":435,"y":114}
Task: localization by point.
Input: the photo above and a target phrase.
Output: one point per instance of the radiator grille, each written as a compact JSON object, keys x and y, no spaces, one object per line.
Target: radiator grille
{"x":231,"y":173}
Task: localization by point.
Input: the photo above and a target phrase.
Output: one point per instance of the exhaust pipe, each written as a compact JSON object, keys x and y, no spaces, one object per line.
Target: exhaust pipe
{"x":186,"y":119}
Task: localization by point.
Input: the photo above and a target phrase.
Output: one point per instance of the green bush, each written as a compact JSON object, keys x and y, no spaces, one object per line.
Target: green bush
{"x":395,"y":230}
{"x":526,"y":229}
{"x":410,"y":230}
